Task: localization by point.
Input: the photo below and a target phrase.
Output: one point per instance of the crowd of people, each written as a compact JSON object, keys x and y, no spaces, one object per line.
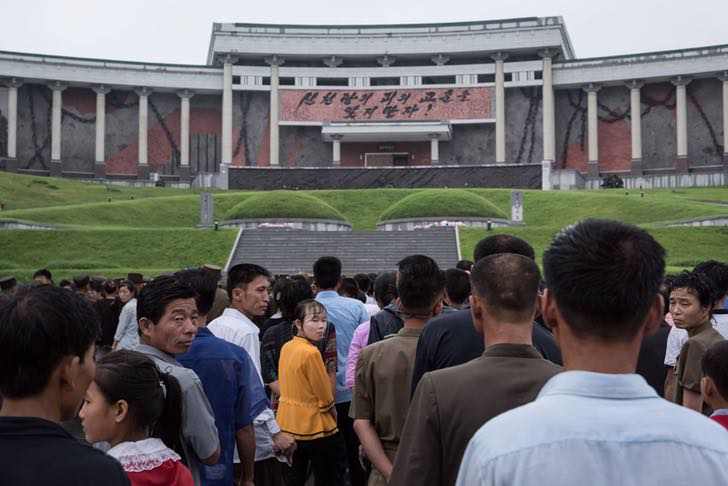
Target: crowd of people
{"x":600,"y":370}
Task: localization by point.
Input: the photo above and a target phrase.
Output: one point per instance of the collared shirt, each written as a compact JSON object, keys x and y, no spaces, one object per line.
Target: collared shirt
{"x":688,"y":369}
{"x":597,"y":429}
{"x":37,"y":451}
{"x":381,"y":387}
{"x":444,"y":415}
{"x":199,"y":434}
{"x":127,"y":333}
{"x":235,"y":392}
{"x":345,"y":314}
{"x":234,"y":327}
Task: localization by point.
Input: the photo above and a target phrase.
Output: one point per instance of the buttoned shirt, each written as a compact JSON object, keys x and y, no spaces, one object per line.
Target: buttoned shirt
{"x":199,"y":433}
{"x":597,"y":429}
{"x":127,"y":333}
{"x":345,"y":314}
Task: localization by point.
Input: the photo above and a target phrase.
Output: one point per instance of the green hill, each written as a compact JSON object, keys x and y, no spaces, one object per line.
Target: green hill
{"x":442,"y":203}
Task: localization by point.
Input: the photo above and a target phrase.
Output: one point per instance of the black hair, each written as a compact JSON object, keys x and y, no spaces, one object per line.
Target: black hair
{"x":466,"y":265}
{"x":96,"y":285}
{"x":604,"y":276}
{"x":665,"y":288}
{"x":385,"y":288}
{"x":349,"y":288}
{"x":65,"y":283}
{"x":364,"y":282}
{"x":130,"y":286}
{"x":420,"y":284}
{"x":39,"y":327}
{"x":715,"y":366}
{"x":243,"y":274}
{"x":204,"y":283}
{"x":509,"y":283}
{"x":306,"y":307}
{"x":327,"y":272}
{"x":43,"y":272}
{"x":717,"y":273}
{"x":457,"y":285}
{"x":503,"y":243}
{"x":698,"y":284}
{"x":154,"y":298}
{"x":109,"y":287}
{"x":81,"y":281}
{"x":289,"y":293}
{"x":154,"y":398}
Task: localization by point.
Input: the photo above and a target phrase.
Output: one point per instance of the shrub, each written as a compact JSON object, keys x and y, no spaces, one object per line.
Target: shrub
{"x":450,"y":203}
{"x":283,"y":204}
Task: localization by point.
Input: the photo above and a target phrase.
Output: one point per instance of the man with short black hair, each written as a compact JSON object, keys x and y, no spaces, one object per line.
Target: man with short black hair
{"x":451,"y":339}
{"x":167,"y":313}
{"x":443,"y":415}
{"x":599,"y":423}
{"x":47,"y":338}
{"x":387,"y":321}
{"x":384,"y":369}
{"x":249,"y":287}
{"x":457,"y":289}
{"x":42,"y":277}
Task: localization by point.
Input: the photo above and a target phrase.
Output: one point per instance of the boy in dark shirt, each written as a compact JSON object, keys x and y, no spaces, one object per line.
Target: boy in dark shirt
{"x":47,"y":335}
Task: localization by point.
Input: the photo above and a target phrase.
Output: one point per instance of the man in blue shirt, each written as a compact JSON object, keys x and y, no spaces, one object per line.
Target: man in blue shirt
{"x":345,"y":314}
{"x":599,"y":423}
{"x":231,"y":384}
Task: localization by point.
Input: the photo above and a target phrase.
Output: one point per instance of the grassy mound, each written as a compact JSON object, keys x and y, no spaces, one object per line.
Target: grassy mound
{"x":283,"y":204}
{"x":442,"y":203}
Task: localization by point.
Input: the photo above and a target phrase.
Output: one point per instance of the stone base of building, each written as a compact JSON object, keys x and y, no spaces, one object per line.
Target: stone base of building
{"x":682,"y":166}
{"x":184,"y":172}
{"x":593,"y":169}
{"x":637,"y":167}
{"x":143,"y":171}
{"x":56,"y":168}
{"x":8,"y":164}
{"x":100,"y":171}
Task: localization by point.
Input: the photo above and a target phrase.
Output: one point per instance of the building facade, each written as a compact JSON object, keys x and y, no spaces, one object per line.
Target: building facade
{"x":502,"y":102}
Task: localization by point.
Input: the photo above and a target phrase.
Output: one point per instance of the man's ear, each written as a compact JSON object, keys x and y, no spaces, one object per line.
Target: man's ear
{"x":145,"y":326}
{"x":438,"y":307}
{"x":549,"y":311}
{"x":67,"y":371}
{"x":476,"y":310}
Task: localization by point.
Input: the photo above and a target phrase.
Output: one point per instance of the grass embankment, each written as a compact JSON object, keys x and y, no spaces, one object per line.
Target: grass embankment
{"x":442,"y":203}
{"x":283,"y":204}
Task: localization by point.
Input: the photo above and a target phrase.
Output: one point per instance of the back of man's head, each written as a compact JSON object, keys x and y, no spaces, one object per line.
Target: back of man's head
{"x":327,"y":272}
{"x":204,"y":283}
{"x":457,"y":286}
{"x":604,"y":276}
{"x":507,"y":284}
{"x":289,"y":293}
{"x":244,"y":273}
{"x":503,"y":243}
{"x":154,"y":298}
{"x":717,"y":273}
{"x":38,"y":328}
{"x":363,"y":281}
{"x":420,"y":284}
{"x":385,"y":288}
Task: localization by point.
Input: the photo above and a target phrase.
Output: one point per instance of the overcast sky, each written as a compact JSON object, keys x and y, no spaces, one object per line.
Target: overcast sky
{"x":179,"y":31}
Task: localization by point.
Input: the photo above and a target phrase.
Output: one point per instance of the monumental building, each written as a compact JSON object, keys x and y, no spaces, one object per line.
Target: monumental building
{"x":487,"y":103}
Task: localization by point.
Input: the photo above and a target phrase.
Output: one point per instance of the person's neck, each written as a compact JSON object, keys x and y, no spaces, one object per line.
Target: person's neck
{"x":600,"y":357}
{"x":39,"y":406}
{"x":692,"y":331}
{"x":243,"y":312}
{"x":130,"y":436}
{"x":508,"y":333}
{"x":415,"y":323}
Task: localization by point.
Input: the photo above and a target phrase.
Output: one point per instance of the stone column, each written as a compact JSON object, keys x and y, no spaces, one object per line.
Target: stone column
{"x":275,"y":63}
{"x":593,"y":129}
{"x":143,"y":167}
{"x":100,"y":157}
{"x":549,"y":135}
{"x":56,"y":162}
{"x":227,"y":116}
{"x":500,"y":108}
{"x":635,"y":111}
{"x":434,"y":149}
{"x":13,"y":85}
{"x":336,"y":148}
{"x":681,"y":123}
{"x":184,"y":134}
{"x":724,"y":78}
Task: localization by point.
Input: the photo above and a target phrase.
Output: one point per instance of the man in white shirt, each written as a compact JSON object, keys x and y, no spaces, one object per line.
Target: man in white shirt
{"x":249,"y":289}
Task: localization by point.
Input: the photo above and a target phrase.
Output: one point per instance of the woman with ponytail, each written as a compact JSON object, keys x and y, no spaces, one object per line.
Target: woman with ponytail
{"x":138,"y":411}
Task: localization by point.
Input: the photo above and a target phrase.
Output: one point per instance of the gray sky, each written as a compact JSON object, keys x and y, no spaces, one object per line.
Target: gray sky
{"x":179,"y":31}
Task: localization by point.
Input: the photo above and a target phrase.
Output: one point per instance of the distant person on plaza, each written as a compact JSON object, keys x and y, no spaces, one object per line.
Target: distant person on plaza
{"x":346,"y":315}
{"x":366,"y":284}
{"x":66,"y":284}
{"x":444,"y":413}
{"x":248,"y":287}
{"x":47,"y":338}
{"x":137,"y":410}
{"x":457,"y":290}
{"x":307,"y":409}
{"x":714,"y":384}
{"x":598,"y":423}
{"x":452,"y":339}
{"x":42,"y":277}
{"x":384,"y":370}
{"x":350,"y":288}
{"x":465,"y":265}
{"x":127,"y":330}
{"x":222,"y":300}
{"x":95,"y":290}
{"x":167,"y":313}
{"x":387,"y":321}
{"x":80,"y":284}
{"x":109,"y":309}
{"x":232,"y":386}
{"x":691,"y":306}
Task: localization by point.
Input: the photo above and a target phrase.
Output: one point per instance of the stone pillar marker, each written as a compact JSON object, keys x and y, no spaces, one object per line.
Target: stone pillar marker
{"x":724,"y":78}
{"x":184,"y":134}
{"x":227,"y":116}
{"x":593,"y":129}
{"x":207,"y":209}
{"x":500,"y":108}
{"x":681,"y":123}
{"x":635,"y":111}
{"x":13,"y":85}
{"x":56,"y":163}
{"x":549,"y":135}
{"x":100,"y":157}
{"x":275,"y":63}
{"x":434,"y":148}
{"x":336,"y":149}
{"x":143,"y":167}
{"x":517,"y":206}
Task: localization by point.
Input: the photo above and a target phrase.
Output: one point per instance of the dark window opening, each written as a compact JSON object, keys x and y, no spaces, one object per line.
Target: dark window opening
{"x":486,"y":78}
{"x":438,"y":79}
{"x":538,"y":75}
{"x":384,"y":81}
{"x":332,"y":81}
{"x":236,"y":79}
{"x":282,"y":81}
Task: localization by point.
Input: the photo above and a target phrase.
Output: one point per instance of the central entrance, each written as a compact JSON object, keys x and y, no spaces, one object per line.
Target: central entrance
{"x":386,"y":159}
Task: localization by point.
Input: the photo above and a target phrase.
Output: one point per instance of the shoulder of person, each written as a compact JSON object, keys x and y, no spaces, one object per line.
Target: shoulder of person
{"x":107,"y":468}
